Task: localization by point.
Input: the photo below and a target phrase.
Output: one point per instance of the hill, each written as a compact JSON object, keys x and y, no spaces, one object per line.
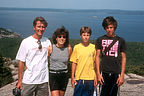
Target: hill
{"x":135,"y":53}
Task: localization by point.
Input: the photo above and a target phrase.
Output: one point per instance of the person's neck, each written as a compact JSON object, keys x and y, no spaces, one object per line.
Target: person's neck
{"x":113,"y":35}
{"x":85,"y":44}
{"x":59,"y":45}
{"x":36,"y":36}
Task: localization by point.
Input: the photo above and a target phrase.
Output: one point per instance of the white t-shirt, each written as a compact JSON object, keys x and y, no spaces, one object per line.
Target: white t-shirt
{"x":36,"y":60}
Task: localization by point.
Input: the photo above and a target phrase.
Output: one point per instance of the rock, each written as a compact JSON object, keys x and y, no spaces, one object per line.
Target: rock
{"x":131,"y":75}
{"x":133,"y":85}
{"x":7,"y":33}
{"x":15,"y":77}
{"x":127,"y":89}
{"x":11,"y":64}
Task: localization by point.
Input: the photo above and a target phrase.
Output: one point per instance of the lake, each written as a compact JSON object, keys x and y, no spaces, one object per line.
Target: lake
{"x":130,"y":23}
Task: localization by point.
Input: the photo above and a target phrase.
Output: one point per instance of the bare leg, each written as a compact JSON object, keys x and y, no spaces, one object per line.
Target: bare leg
{"x":61,"y":93}
{"x":55,"y":93}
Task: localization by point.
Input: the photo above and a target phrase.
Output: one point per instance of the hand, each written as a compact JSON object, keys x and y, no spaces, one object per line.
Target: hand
{"x":95,"y":81}
{"x":120,"y":80}
{"x":73,"y":82}
{"x":100,"y":79}
{"x":19,"y":85}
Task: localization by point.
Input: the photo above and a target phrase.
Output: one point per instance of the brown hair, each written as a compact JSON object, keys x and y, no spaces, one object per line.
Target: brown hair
{"x":61,"y":31}
{"x":85,"y":29}
{"x":109,"y":21}
{"x":41,"y":19}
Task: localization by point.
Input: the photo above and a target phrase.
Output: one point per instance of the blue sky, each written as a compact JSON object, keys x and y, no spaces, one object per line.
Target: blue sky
{"x":76,"y":4}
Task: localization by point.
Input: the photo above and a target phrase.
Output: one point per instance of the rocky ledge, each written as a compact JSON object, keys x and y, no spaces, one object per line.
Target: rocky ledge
{"x":133,"y":85}
{"x":7,"y":33}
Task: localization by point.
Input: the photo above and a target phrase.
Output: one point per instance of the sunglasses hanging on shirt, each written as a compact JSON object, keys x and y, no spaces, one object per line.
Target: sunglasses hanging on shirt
{"x":39,"y":43}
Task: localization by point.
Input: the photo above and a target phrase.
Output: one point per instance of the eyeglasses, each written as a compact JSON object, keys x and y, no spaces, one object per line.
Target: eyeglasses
{"x":61,"y":36}
{"x":39,"y":43}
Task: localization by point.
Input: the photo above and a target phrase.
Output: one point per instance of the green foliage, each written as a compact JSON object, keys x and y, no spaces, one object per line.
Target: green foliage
{"x":135,"y":52}
{"x":5,"y":74}
{"x":9,"y":46}
{"x":137,"y":69}
{"x":74,"y":42}
{"x":135,"y":58}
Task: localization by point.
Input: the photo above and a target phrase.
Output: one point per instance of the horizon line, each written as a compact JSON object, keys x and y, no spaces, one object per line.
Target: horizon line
{"x":67,"y":9}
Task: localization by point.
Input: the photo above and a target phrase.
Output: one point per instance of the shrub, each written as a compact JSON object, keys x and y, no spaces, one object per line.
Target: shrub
{"x":5,"y":74}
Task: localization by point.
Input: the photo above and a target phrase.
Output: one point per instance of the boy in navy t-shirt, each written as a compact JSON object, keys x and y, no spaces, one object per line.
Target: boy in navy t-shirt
{"x":113,"y":60}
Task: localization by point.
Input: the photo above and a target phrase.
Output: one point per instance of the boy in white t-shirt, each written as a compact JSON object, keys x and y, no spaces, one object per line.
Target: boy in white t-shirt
{"x":32,"y":56}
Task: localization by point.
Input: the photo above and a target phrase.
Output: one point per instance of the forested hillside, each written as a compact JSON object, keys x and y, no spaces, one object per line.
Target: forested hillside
{"x":135,"y":52}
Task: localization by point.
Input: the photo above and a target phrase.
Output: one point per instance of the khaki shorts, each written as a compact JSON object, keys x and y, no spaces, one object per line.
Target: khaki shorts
{"x":37,"y":89}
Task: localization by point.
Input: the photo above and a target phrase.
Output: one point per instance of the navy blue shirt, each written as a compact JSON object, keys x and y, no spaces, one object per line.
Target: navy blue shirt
{"x":111,"y":62}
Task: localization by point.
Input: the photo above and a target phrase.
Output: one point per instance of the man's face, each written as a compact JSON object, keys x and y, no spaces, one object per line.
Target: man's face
{"x":85,"y":37}
{"x":110,"y":30}
{"x":39,"y":29}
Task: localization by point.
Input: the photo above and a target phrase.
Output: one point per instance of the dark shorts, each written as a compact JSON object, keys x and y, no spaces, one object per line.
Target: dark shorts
{"x":109,"y":88}
{"x":58,"y":81}
{"x":84,"y":88}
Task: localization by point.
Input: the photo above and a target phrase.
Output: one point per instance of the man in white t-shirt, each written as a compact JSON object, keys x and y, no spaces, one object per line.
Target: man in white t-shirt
{"x":32,"y":56}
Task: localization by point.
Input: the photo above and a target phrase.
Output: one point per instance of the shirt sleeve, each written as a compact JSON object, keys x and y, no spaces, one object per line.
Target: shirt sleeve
{"x":123,"y":46}
{"x":49,"y":43}
{"x":21,"y":54}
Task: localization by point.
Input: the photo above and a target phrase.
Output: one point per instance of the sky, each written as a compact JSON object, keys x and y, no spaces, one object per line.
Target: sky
{"x":76,"y":4}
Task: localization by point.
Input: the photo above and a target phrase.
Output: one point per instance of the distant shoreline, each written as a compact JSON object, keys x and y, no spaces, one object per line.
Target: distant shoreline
{"x":8,"y":33}
{"x":76,"y":10}
{"x":130,"y":23}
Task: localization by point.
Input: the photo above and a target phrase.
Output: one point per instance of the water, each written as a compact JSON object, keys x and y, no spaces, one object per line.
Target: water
{"x":130,"y":23}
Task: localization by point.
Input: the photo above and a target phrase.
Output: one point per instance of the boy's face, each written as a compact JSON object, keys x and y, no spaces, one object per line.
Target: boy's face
{"x":110,"y":30}
{"x":85,"y":37}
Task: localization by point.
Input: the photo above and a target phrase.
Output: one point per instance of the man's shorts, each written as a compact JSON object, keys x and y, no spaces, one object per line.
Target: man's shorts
{"x":84,"y":88}
{"x":58,"y":81}
{"x":37,"y":89}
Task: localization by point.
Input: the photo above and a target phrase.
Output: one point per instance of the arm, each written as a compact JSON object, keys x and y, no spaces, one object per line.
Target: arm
{"x":69,"y":50}
{"x":49,"y":50}
{"x":20,"y":74}
{"x":73,"y":81}
{"x":95,"y":81}
{"x":120,"y":80}
{"x":99,"y":76}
